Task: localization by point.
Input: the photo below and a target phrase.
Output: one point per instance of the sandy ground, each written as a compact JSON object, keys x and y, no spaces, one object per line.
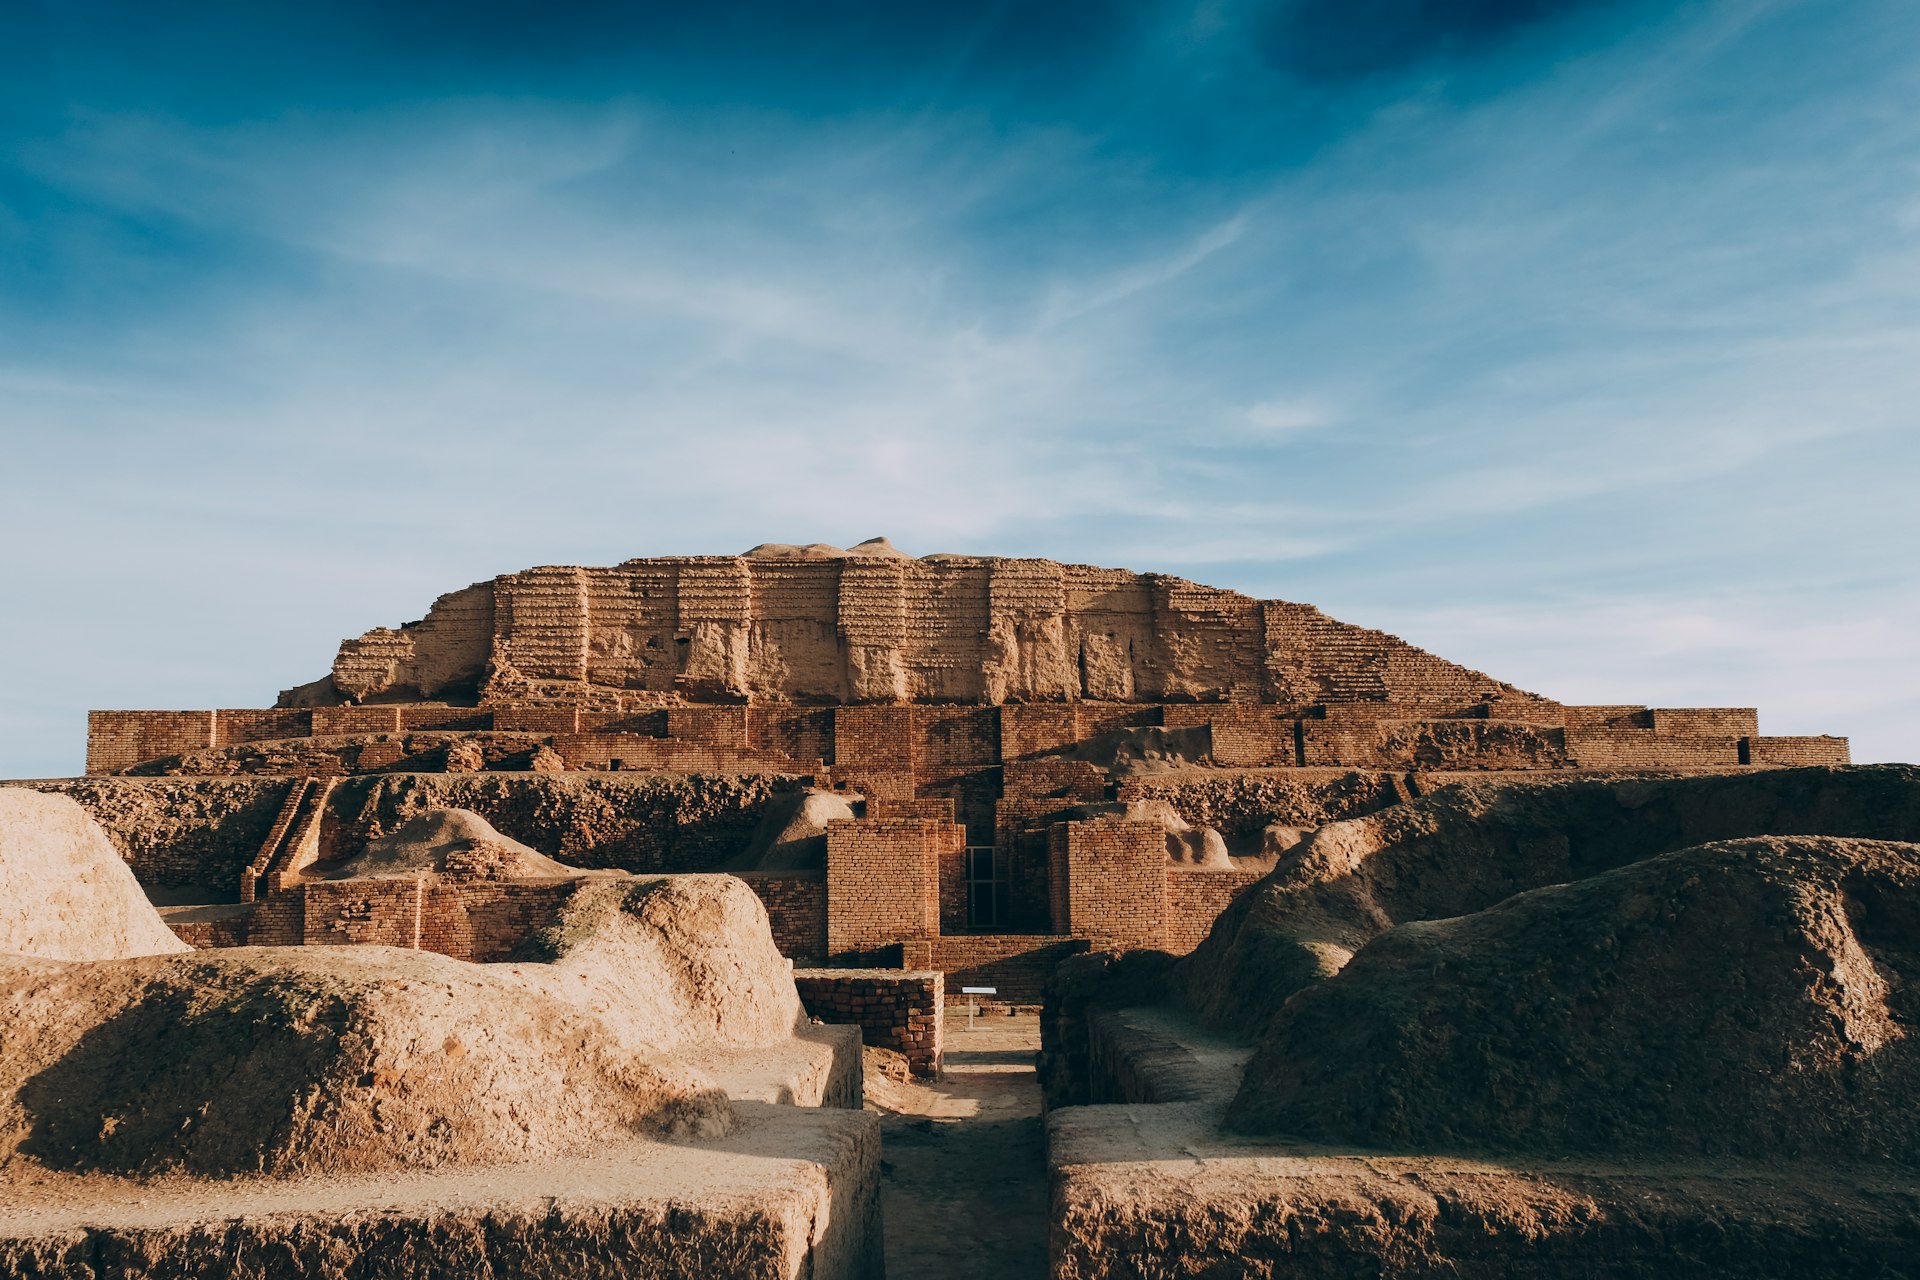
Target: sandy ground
{"x":963,"y":1183}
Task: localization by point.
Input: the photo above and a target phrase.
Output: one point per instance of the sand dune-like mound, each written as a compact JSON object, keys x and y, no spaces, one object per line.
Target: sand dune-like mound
{"x":1469,"y":846}
{"x":455,"y":844}
{"x":670,"y":963}
{"x":65,"y":892}
{"x":1749,"y":998}
{"x":289,"y":1061}
{"x":792,"y":835}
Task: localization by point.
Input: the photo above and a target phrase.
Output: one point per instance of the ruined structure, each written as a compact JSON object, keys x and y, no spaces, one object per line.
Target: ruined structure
{"x":1584,"y":1025}
{"x":644,"y":1096}
{"x":974,"y":714}
{"x":1372,"y":963}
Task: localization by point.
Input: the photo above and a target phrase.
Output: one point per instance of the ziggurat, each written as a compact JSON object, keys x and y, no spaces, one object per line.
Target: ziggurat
{"x":971,"y":707}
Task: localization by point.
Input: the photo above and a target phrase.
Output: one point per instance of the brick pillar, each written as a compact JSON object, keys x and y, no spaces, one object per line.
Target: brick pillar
{"x":883,"y":882}
{"x":1112,"y":879}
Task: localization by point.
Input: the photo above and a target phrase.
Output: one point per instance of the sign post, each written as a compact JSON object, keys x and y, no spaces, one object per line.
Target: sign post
{"x":972,"y":1004}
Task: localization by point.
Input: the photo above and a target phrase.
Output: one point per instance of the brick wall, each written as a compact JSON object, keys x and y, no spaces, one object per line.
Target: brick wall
{"x":536,"y":719}
{"x":260,"y":724}
{"x":1116,"y":881}
{"x":1027,"y":731}
{"x":874,"y":738}
{"x":883,"y":881}
{"x":1018,"y":965}
{"x":647,"y":724}
{"x":484,"y":921}
{"x":1078,"y":779}
{"x":946,"y":737}
{"x":337,"y":721}
{"x":898,"y":1009}
{"x":637,"y":753}
{"x":361,"y":912}
{"x":1733,"y":722}
{"x":120,"y":739}
{"x":1799,"y":751}
{"x":1195,"y":899}
{"x":972,"y":791}
{"x":1642,"y":749}
{"x":724,"y":726}
{"x":427,"y":715}
{"x":804,"y":733}
{"x":796,"y":903}
{"x":1456,"y":743}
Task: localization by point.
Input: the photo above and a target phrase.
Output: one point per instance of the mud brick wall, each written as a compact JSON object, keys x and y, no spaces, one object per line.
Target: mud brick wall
{"x":279,"y":921}
{"x":1253,"y":737}
{"x":709,"y":726}
{"x":803,"y":733}
{"x":647,"y":724}
{"x":426,"y":715}
{"x":1091,"y":719}
{"x":361,"y":912}
{"x":489,"y":920}
{"x":1432,"y":744}
{"x":247,"y":724}
{"x":1018,"y":965}
{"x":1310,"y":657}
{"x":955,"y":736}
{"x":1082,"y":781}
{"x":1239,"y":805}
{"x":1799,"y":751}
{"x":953,"y":891}
{"x":796,"y":903}
{"x":883,"y":882}
{"x":1116,"y":881}
{"x":537,"y":719}
{"x":1195,"y":900}
{"x":634,"y":752}
{"x":119,"y":739}
{"x":1732,"y":722}
{"x":1585,"y":719}
{"x":895,"y":1009}
{"x":933,"y":810}
{"x":1028,"y":731}
{"x":875,"y":784}
{"x":335,"y":721}
{"x":1642,"y":749}
{"x":879,"y":739}
{"x":973,"y":793}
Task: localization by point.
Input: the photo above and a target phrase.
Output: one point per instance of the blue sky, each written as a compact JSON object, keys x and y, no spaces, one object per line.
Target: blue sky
{"x":1577,"y":341}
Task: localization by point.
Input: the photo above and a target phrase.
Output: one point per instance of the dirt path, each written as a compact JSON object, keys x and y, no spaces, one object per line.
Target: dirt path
{"x":964,"y":1181}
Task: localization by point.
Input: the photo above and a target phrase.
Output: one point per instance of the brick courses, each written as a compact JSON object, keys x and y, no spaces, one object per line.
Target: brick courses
{"x":796,"y":903}
{"x":1110,"y":881}
{"x":883,"y":882}
{"x":895,"y":1009}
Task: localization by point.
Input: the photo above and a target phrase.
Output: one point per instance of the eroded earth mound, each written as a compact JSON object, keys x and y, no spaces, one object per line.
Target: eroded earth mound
{"x":1472,"y":845}
{"x":328,"y":1060}
{"x":669,"y":962}
{"x":1751,"y":998}
{"x":792,"y":834}
{"x":453,"y":843}
{"x":65,"y":893}
{"x":291,"y":1061}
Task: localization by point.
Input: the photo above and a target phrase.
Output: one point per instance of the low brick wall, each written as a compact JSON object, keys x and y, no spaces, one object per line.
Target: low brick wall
{"x":897,"y":1009}
{"x":1017,"y":965}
